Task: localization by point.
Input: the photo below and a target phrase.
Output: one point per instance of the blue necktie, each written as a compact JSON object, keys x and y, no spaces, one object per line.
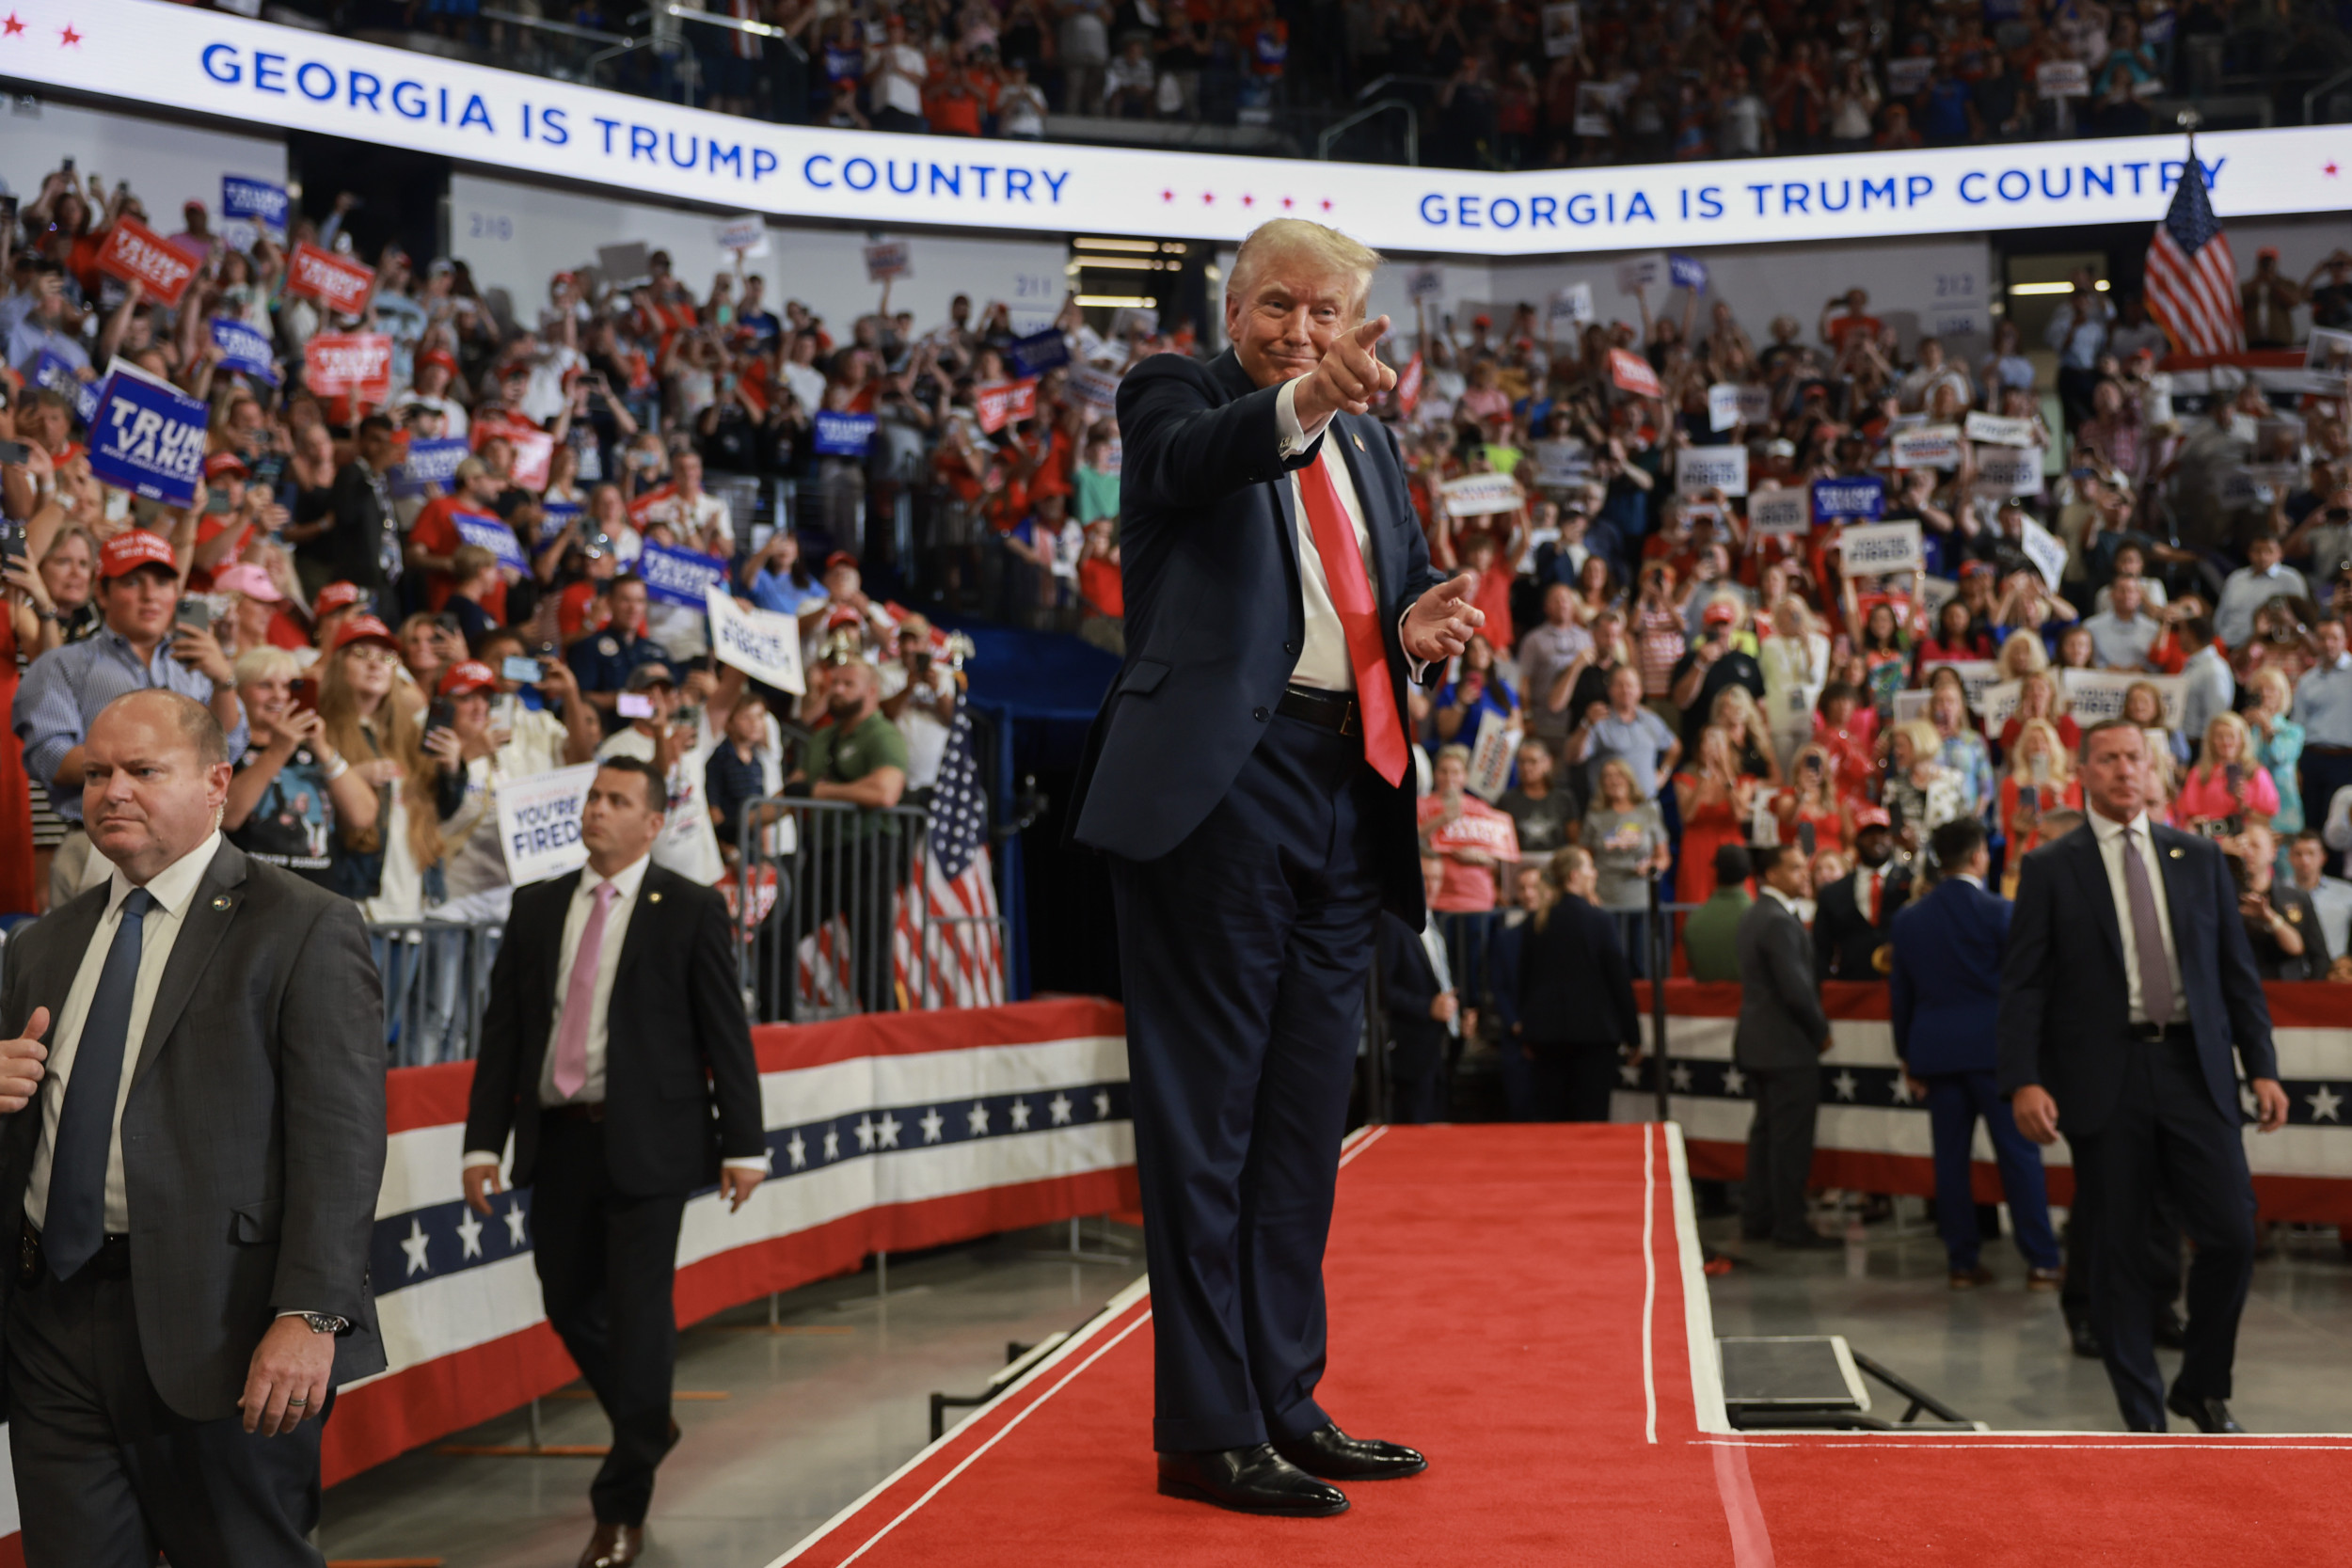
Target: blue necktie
{"x":76,"y":1221}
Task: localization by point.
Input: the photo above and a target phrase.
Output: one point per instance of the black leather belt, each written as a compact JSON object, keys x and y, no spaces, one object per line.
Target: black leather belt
{"x":112,"y":1261}
{"x":1332,"y":710}
{"x":2152,"y":1033}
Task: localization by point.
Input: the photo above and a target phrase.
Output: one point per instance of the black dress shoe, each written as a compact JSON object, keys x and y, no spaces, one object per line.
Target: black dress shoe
{"x":613,"y":1546}
{"x":2168,"y":1330}
{"x":2211,"y":1415}
{"x":2086,"y":1340}
{"x":1334,"y":1455}
{"x":1249,"y":1480}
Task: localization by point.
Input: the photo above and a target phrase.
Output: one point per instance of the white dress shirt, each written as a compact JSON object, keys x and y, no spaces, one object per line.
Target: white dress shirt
{"x":1323,"y":657}
{"x":2110,"y":836}
{"x":627,"y":883}
{"x":1433,"y":944}
{"x":172,"y":888}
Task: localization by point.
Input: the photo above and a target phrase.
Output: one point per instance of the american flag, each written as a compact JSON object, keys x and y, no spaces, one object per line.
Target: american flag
{"x":947,"y":948}
{"x":2192,"y":278}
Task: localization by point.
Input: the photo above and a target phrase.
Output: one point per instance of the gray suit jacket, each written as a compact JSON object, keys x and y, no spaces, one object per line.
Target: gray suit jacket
{"x":1781,"y":1021}
{"x":253,"y":1137}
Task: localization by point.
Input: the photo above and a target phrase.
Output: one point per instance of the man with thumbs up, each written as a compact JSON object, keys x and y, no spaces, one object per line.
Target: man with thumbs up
{"x":1249,"y":777}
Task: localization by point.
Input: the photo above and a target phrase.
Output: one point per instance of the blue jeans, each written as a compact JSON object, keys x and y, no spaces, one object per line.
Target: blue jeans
{"x":1955,"y":1101}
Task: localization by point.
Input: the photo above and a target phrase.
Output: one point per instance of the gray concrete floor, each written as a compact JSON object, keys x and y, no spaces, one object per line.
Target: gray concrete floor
{"x":2000,"y":1354}
{"x":814,"y":1416}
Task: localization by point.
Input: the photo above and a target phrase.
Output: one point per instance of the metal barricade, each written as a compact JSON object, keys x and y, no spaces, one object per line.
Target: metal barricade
{"x":436,"y":981}
{"x":840,"y":910}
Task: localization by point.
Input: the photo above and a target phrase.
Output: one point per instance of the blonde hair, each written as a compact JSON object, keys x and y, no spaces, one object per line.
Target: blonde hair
{"x":1618,"y":766}
{"x":1280,"y":237}
{"x":394,"y":732}
{"x":266,"y":664}
{"x":1455,"y":753}
{"x":2245,"y":741}
{"x":2037,"y":657}
{"x":1742,"y":704}
{"x":1926,"y":744}
{"x":2269,"y":675}
{"x":2061,"y":765}
{"x":1564,"y":865}
{"x":2042,"y":677}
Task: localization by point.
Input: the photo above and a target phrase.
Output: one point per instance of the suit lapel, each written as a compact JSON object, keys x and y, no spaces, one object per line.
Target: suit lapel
{"x":1386,"y":570}
{"x":209,"y":911}
{"x":78,"y":924}
{"x":2180,"y":899}
{"x":641,"y":920}
{"x":2090,"y":870}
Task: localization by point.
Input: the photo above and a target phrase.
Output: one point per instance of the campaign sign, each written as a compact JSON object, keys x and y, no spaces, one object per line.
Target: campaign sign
{"x":1561,"y":462}
{"x":2044,"y":550}
{"x":1481,"y":494}
{"x":1632,"y":373}
{"x":1837,"y":500}
{"x":1098,"y":389}
{"x":2062,"y":79}
{"x":534,"y":455}
{"x":1408,"y":385}
{"x":1424,"y":283}
{"x":759,"y":642}
{"x":843,"y":434}
{"x":1039,"y":353}
{"x":1563,"y":26}
{"x":492,"y":535}
{"x":1872,"y":549}
{"x":149,"y":437}
{"x":430,"y":467}
{"x":1639,"y":273}
{"x":539,"y":823}
{"x":1934,"y":446}
{"x":1723,"y":405}
{"x":2009,"y":470}
{"x":53,"y":373}
{"x":747,"y":236}
{"x":1778,"y":513}
{"x":1997,"y":706}
{"x":335,"y":281}
{"x":1724,"y":468}
{"x":1491,"y":755}
{"x":355,"y":363}
{"x":1573,"y":303}
{"x":1977,"y":677}
{"x":1908,"y":74}
{"x":137,"y":254}
{"x":679,"y":577}
{"x":1000,"y":402}
{"x":886,"y":258}
{"x":2000,"y":431}
{"x":1686,"y":272}
{"x":245,"y":349}
{"x":256,"y":202}
{"x":554,"y":517}
{"x":2096,"y":694}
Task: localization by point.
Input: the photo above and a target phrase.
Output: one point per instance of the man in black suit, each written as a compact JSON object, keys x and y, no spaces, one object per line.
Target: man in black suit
{"x":1425,"y":1010}
{"x":2127,"y":983}
{"x":1575,"y":997}
{"x":1778,"y":1043}
{"x":614,"y":1050}
{"x":1855,"y":920}
{"x":189,"y":1171}
{"x":1247,"y":776}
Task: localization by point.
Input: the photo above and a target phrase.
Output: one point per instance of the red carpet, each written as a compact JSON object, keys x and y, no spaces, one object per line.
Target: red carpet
{"x":1487,"y":1287}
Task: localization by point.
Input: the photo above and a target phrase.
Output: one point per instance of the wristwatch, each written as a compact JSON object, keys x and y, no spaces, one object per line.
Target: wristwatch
{"x":324,"y":1322}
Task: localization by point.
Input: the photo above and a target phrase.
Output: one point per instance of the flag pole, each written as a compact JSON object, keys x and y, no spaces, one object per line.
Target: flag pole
{"x":2188,"y":119}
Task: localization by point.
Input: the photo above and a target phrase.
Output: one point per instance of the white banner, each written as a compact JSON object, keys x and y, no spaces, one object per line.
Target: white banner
{"x":1643,"y":272}
{"x":747,"y":236}
{"x":1424,"y":284}
{"x":1724,"y":468}
{"x":1779,"y":514}
{"x":2001,"y":432}
{"x":1565,"y":462}
{"x":761,"y":643}
{"x":2045,"y":550}
{"x":1573,"y":303}
{"x":1723,"y":405}
{"x":2096,"y":694}
{"x":2009,"y":471}
{"x":1491,"y":755}
{"x":182,"y":60}
{"x":539,"y":823}
{"x":1871,"y":549}
{"x":1934,"y":446}
{"x":1482,"y":494}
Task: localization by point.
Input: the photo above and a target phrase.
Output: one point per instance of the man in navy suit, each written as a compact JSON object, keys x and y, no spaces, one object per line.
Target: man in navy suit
{"x":1247,"y":775}
{"x":1945,"y":998}
{"x":2128,"y":984}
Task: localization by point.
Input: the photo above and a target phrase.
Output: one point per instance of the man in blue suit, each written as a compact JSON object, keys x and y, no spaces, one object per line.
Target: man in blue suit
{"x":1248,"y":777}
{"x":2129,"y":1001}
{"x":1946,"y":995}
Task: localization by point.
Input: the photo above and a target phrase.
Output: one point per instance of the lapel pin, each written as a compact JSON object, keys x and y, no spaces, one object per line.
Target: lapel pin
{"x":2176,"y":854}
{"x":656,"y":897}
{"x":221,"y":903}
{"x":1358,"y":440}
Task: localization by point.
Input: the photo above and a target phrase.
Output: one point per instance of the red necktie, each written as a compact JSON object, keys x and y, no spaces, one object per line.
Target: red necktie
{"x":1351,"y":596}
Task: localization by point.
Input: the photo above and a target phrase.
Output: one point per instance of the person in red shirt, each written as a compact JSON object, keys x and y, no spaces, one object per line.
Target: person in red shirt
{"x":1856,"y":319}
{"x":434,"y":539}
{"x":1101,"y":592}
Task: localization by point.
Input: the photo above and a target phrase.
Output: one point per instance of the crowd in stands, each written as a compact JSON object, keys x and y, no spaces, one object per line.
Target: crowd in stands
{"x":1660,"y":678}
{"x":1518,"y":84}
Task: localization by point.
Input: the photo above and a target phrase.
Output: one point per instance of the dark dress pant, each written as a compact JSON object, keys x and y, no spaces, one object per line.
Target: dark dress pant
{"x":107,"y":1474}
{"x":1243,"y":953}
{"x":1417,"y":1084}
{"x":1955,"y":1102}
{"x":1780,"y":1150}
{"x":606,"y":1264}
{"x":1571,"y":1081}
{"x":2163,"y":1241}
{"x":2167,"y":1136}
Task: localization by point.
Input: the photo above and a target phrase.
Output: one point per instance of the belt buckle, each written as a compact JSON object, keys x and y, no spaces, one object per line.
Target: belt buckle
{"x":1349,"y":715}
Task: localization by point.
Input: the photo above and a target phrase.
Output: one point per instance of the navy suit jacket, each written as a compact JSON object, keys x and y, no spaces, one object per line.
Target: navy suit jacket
{"x":2065,"y":1002}
{"x":1409,"y":988}
{"x":1209,"y":554}
{"x":1945,"y":990}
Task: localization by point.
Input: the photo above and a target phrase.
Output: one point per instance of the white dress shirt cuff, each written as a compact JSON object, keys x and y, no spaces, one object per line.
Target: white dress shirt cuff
{"x":1294,"y":436}
{"x":759,"y":1164}
{"x":480,"y":1157}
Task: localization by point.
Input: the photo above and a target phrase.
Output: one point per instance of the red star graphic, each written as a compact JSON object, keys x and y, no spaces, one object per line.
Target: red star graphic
{"x":1249,"y":201}
{"x":68,"y":37}
{"x":1286,"y":204}
{"x":1206,"y":198}
{"x":1168,"y":196}
{"x":2330,"y":170}
{"x":1327,"y":203}
{"x":10,"y":26}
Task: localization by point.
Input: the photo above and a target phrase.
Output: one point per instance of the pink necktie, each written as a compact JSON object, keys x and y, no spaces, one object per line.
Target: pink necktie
{"x":579,"y":998}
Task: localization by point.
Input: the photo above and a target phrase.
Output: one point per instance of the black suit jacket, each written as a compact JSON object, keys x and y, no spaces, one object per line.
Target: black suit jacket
{"x":1844,"y":939}
{"x":1208,"y":545}
{"x":1781,"y":1021}
{"x":1574,"y":986}
{"x":681,"y":1087}
{"x":1409,"y":988}
{"x":253,"y":1137}
{"x":2065,"y":1003}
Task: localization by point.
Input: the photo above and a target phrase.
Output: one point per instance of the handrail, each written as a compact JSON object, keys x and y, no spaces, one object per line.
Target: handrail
{"x":737,"y":24}
{"x":1338,"y":128}
{"x":2311,"y":99}
{"x":569,"y":29}
{"x":1378,"y":82}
